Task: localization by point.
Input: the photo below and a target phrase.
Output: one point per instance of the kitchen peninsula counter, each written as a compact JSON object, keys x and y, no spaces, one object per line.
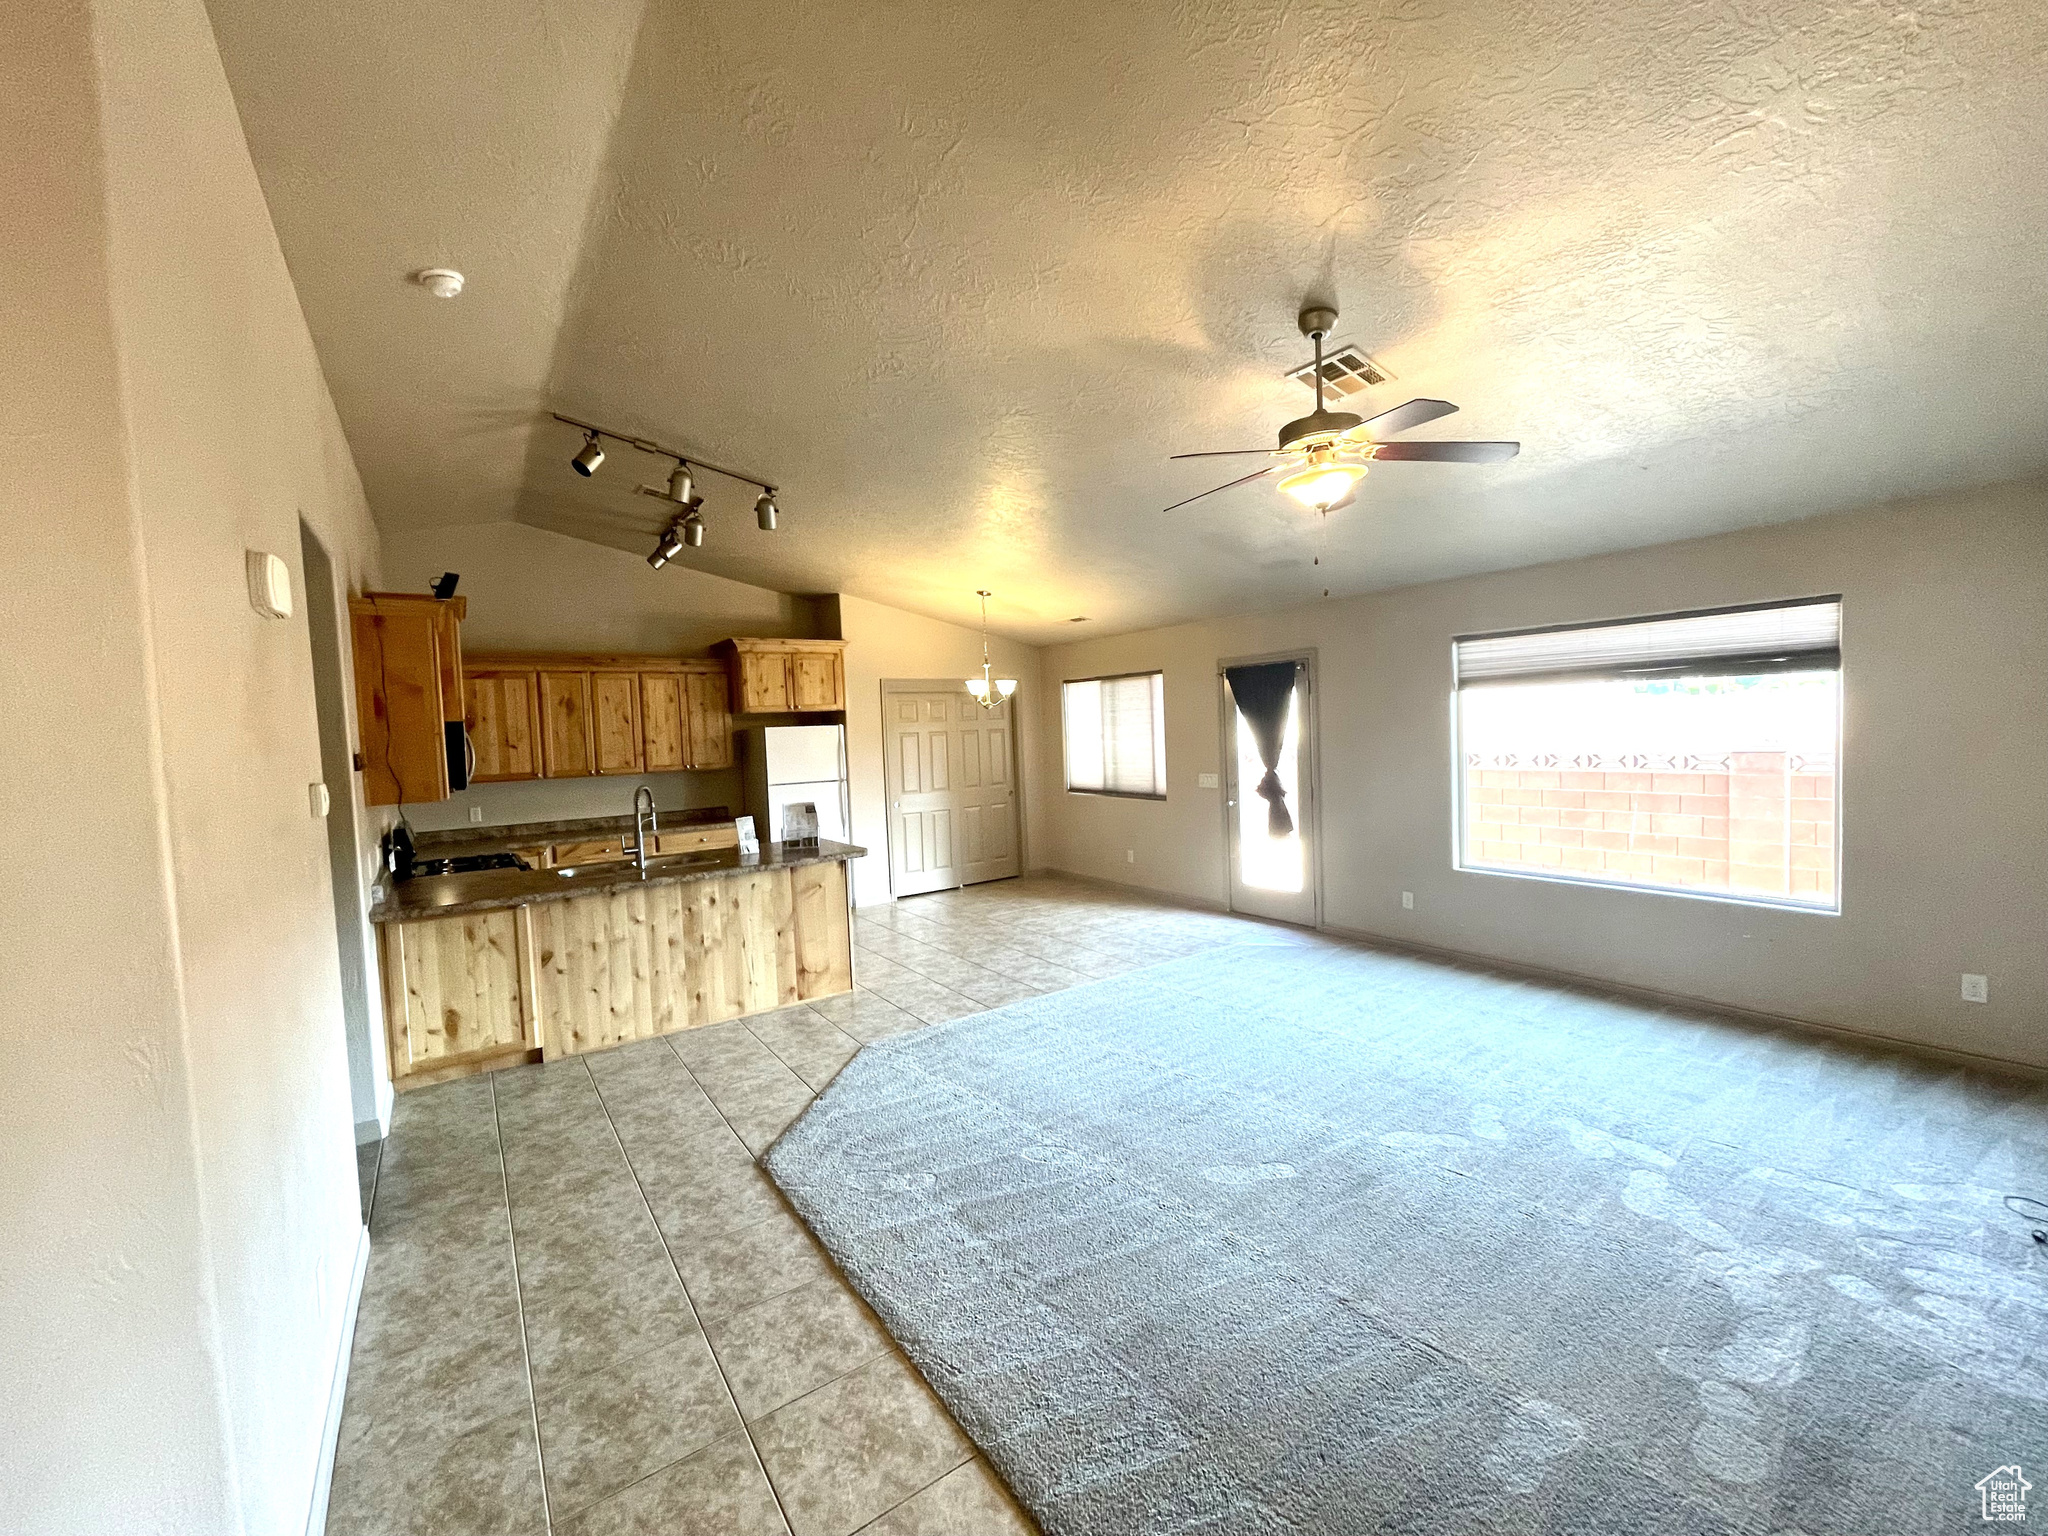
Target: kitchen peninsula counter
{"x":487,"y":969}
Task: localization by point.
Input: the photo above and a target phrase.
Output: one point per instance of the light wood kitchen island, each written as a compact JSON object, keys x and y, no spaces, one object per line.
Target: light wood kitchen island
{"x":488,"y":969}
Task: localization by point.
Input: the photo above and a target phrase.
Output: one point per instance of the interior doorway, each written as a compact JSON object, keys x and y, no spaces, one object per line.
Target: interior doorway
{"x":1269,"y":755}
{"x":345,"y":875}
{"x":950,"y":775}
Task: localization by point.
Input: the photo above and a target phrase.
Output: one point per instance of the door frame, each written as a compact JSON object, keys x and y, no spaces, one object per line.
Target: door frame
{"x":1312,"y":772}
{"x":890,"y":773}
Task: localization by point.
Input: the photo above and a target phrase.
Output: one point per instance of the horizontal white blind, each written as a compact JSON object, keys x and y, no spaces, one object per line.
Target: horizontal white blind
{"x":1116,"y":734}
{"x":1783,"y":637}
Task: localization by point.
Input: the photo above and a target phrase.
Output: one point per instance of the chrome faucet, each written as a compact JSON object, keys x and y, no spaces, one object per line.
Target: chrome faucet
{"x":645,"y":828}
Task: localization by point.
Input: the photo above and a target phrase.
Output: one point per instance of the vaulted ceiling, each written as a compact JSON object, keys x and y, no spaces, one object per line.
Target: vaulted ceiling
{"x":959,"y":278}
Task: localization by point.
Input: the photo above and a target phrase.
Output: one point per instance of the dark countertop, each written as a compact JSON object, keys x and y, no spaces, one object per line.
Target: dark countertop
{"x":487,"y":889}
{"x":455,"y":842}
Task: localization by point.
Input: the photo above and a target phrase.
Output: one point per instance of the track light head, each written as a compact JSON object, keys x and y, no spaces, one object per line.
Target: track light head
{"x":765,"y":511}
{"x":679,"y":488}
{"x":692,"y":526}
{"x":669,"y":546}
{"x":588,"y":457}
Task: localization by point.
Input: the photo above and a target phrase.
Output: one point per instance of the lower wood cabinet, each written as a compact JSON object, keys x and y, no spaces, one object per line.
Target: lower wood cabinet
{"x":480,"y":990}
{"x":458,"y":991}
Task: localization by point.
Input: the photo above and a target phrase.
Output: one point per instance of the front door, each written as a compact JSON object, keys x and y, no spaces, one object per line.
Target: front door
{"x":951,"y":787}
{"x":1269,"y":753}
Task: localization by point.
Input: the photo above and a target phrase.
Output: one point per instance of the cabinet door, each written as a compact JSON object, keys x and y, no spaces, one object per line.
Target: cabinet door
{"x":816,"y":680}
{"x":710,"y":722}
{"x":764,"y":683}
{"x":399,"y":709}
{"x":565,"y":725}
{"x":615,"y":709}
{"x":504,"y":726}
{"x":661,"y":721}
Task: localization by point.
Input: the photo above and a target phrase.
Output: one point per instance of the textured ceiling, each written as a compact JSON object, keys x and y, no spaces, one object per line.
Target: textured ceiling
{"x":960,"y":278}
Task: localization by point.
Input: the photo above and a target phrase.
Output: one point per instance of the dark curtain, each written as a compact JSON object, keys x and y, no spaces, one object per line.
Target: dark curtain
{"x":1262,"y":693}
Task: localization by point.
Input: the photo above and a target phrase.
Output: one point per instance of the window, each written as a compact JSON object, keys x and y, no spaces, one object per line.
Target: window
{"x":1695,"y":753}
{"x":1116,"y":735}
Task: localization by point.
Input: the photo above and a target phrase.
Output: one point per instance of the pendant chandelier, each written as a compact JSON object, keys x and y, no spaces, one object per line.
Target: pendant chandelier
{"x":990,"y":691}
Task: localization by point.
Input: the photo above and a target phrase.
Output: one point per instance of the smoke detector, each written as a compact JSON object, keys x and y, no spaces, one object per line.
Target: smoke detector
{"x":1346,"y":371}
{"x":441,"y":282}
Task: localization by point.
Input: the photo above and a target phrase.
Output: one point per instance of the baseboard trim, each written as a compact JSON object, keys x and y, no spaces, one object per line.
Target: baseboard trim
{"x":1170,"y":898}
{"x":337,"y":1392}
{"x":1947,"y":1056}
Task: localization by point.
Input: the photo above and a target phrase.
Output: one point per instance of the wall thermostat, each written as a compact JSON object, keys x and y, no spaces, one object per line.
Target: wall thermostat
{"x":270,"y":585}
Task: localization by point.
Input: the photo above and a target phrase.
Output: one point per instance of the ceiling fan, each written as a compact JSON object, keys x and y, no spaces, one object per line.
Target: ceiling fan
{"x":1328,"y":450}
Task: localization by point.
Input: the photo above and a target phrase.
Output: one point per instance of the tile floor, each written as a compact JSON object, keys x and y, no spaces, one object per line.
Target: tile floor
{"x":588,"y":1310}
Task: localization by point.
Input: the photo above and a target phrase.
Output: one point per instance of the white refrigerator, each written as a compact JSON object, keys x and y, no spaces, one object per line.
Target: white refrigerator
{"x":787,"y":764}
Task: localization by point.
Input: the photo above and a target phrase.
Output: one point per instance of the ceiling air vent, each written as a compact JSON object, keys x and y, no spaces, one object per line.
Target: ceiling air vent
{"x":1346,"y":371}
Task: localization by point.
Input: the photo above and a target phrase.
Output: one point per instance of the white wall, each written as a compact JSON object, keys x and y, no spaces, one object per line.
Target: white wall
{"x":887,"y":643}
{"x":1944,"y":775}
{"x":182,"y":1214}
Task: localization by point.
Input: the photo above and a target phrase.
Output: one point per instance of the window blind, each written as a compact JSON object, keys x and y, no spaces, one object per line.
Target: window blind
{"x":1778,"y":637}
{"x":1115,"y":731}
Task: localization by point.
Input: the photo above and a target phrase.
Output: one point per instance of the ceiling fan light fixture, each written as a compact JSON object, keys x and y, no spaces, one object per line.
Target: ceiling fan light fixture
{"x":1322,"y":485}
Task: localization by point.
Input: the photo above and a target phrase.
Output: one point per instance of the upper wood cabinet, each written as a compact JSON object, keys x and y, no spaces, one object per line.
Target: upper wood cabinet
{"x":779,"y":677}
{"x":599,"y":714}
{"x":708,"y":722}
{"x":565,"y":725}
{"x":408,"y":665}
{"x":504,"y":725}
{"x":615,"y":711}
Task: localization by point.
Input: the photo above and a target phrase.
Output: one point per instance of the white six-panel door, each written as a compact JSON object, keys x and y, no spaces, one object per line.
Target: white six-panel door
{"x":950,"y":781}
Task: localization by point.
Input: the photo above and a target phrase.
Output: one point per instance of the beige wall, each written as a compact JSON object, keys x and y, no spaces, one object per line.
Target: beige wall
{"x":887,"y":643}
{"x":182,"y":1216}
{"x":1946,"y":660}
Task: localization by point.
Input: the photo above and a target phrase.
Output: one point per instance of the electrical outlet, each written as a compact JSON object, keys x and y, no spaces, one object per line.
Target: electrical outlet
{"x":1408,"y":901}
{"x":1976,"y":989}
{"x":1130,"y":855}
{"x":476,"y":813}
{"x":1208,"y":781}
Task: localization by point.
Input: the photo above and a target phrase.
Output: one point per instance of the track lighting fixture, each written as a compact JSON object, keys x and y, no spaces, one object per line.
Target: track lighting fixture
{"x":670,"y":545}
{"x":680,"y":491}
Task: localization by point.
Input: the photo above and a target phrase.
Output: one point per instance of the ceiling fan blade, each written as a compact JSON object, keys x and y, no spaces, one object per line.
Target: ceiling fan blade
{"x":1446,"y":453}
{"x":1220,"y":453}
{"x":1246,"y":480}
{"x":1402,"y":417}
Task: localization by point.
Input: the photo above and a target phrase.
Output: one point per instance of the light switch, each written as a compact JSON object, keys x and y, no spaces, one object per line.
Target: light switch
{"x":316,"y":796}
{"x":1208,"y":781}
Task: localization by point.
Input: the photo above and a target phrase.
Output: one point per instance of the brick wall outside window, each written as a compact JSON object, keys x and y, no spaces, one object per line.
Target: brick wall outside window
{"x":1750,"y":823}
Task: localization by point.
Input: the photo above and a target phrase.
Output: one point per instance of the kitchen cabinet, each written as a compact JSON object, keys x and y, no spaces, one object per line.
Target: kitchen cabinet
{"x":565,"y":725}
{"x":503,"y":719}
{"x":779,"y":677}
{"x":602,"y":714}
{"x":708,"y":719}
{"x":458,"y":992}
{"x":615,"y":713}
{"x":664,"y":733}
{"x":410,"y":701}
